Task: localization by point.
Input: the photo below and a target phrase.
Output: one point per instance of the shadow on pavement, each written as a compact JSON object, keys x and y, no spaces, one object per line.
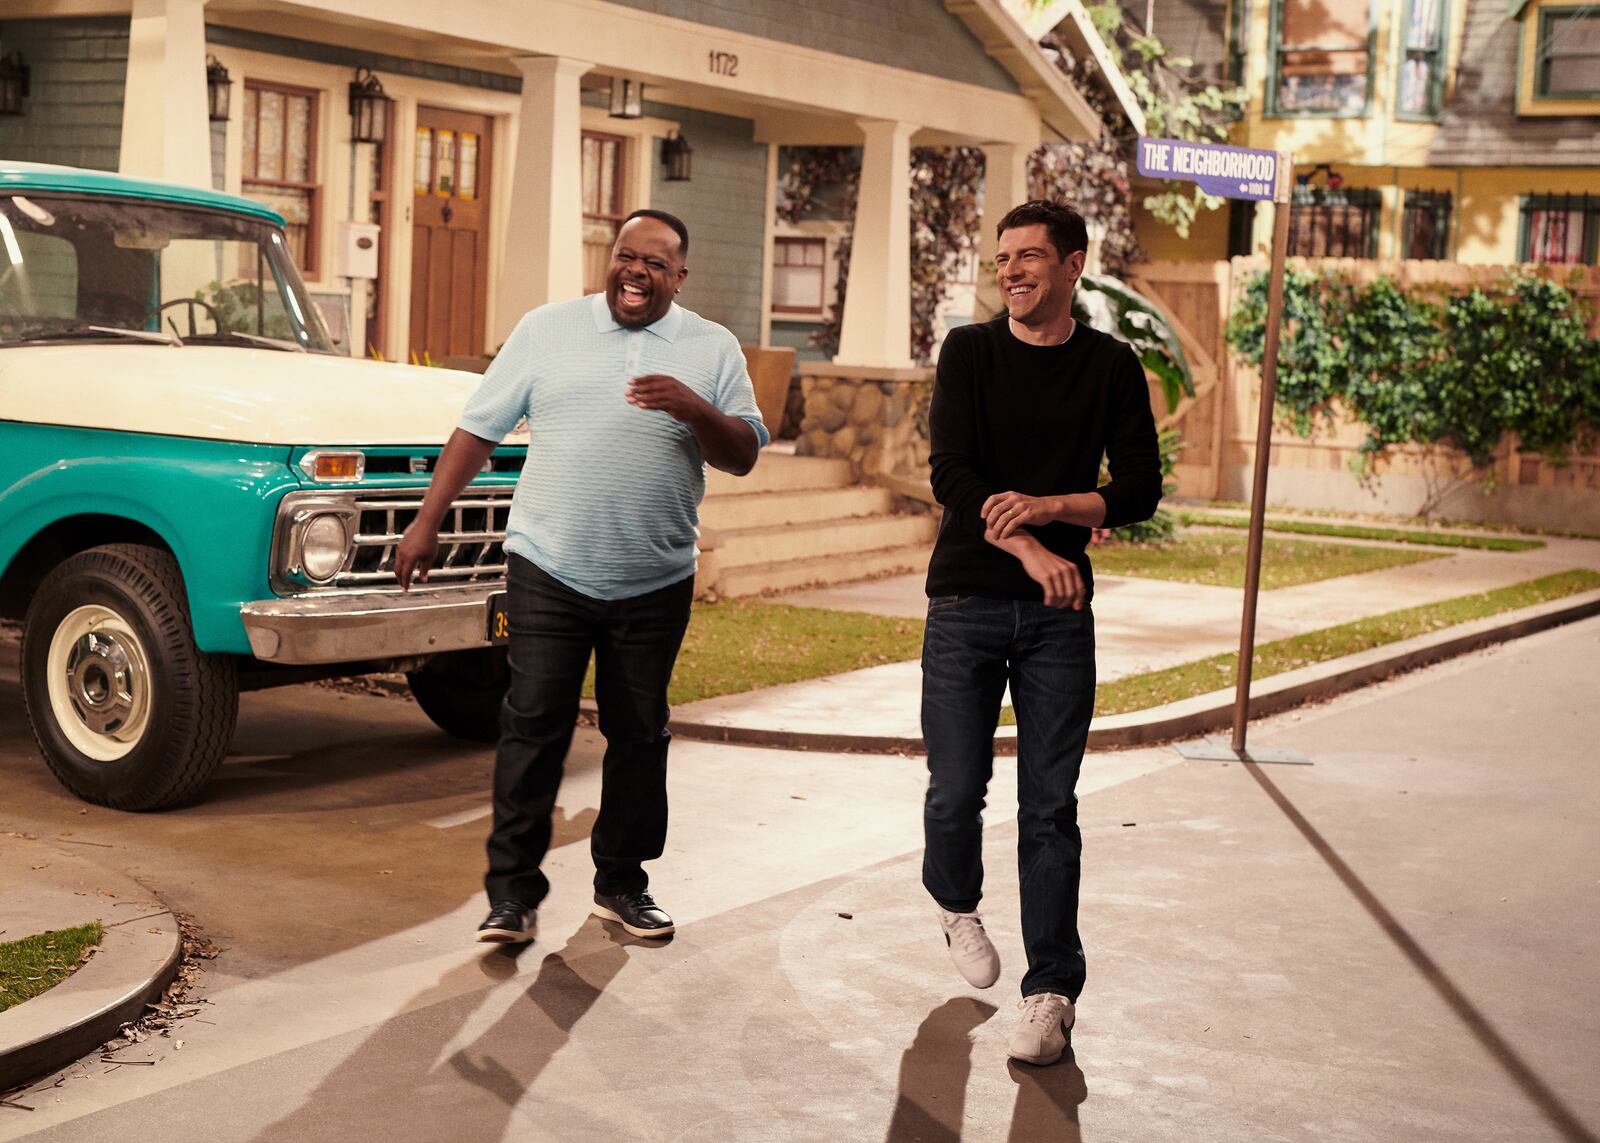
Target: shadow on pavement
{"x":933,"y":1074}
{"x":1047,"y":1100}
{"x":394,"y":1086}
{"x":1550,"y":1105}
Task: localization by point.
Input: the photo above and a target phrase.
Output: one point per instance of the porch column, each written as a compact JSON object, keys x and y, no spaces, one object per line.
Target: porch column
{"x":1005,"y":185}
{"x":877,"y":304}
{"x":166,"y":131}
{"x":545,"y":263}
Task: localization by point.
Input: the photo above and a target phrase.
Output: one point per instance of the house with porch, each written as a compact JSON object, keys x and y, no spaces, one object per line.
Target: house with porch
{"x":445,"y":168}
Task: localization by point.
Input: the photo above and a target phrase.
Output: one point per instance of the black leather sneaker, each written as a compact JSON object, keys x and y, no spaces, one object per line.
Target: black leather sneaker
{"x":638,"y":913}
{"x":509,"y":921}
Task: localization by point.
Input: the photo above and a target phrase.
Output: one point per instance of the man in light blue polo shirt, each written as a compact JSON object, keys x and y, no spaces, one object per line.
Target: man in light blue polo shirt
{"x":627,"y":396}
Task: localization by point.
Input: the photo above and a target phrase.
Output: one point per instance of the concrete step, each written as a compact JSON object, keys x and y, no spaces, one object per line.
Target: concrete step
{"x":759,"y":509}
{"x":760,"y":579}
{"x":781,"y":472}
{"x":821,"y":539}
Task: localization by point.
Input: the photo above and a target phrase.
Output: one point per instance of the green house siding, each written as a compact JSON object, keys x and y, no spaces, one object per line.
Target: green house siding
{"x":73,"y":115}
{"x":918,"y":35}
{"x":723,"y":204}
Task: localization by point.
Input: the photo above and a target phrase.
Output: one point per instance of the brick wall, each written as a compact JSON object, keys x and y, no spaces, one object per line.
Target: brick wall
{"x":723,"y":205}
{"x":74,"y":112}
{"x":918,"y":35}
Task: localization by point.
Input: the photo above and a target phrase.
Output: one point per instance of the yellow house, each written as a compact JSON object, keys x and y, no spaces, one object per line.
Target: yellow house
{"x":1458,"y":130}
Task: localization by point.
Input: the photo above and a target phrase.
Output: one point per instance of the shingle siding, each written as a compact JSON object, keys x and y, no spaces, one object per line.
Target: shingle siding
{"x":73,"y":114}
{"x":1194,"y":28}
{"x":918,"y":35}
{"x":1480,"y":126}
{"x":724,"y":205}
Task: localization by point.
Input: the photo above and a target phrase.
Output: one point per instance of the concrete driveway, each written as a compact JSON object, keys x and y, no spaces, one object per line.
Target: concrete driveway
{"x":1397,"y":943}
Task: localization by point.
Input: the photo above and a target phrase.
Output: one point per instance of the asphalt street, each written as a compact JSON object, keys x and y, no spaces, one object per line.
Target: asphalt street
{"x":1396,"y":943}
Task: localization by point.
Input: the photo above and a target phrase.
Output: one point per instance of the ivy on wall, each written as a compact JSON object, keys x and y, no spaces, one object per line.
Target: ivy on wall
{"x":1429,"y":367}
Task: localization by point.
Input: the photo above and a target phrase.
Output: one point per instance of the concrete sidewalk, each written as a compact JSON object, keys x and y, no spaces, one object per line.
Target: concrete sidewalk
{"x":1392,"y":944}
{"x":1141,"y":625}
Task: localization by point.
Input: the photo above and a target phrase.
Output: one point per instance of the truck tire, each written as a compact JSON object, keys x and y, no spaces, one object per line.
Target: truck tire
{"x":126,"y":710}
{"x":462,"y":692}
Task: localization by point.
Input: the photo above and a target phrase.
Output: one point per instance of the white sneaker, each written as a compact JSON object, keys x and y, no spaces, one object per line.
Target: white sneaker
{"x":970,"y":947}
{"x":1041,"y":1035}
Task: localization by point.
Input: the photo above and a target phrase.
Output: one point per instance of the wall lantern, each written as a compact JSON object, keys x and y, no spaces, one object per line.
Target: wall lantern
{"x":13,"y":84}
{"x":219,"y":89}
{"x":627,"y":98}
{"x":369,"y":108}
{"x":675,"y":156}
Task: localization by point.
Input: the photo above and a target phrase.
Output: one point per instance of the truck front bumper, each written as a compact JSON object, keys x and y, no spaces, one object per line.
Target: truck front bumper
{"x":351,"y":628}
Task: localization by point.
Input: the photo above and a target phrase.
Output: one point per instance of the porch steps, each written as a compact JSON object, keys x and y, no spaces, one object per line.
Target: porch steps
{"x":801,"y":522}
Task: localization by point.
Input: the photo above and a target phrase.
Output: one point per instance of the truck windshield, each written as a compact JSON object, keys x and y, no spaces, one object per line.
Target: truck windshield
{"x":90,"y":268}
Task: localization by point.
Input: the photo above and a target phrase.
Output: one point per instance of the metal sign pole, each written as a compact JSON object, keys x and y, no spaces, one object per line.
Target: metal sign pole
{"x":1258,"y":492}
{"x":1261,"y":176}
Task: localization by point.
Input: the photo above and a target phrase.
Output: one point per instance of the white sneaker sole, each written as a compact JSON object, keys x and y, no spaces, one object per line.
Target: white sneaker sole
{"x":507,"y":936}
{"x":606,"y":914}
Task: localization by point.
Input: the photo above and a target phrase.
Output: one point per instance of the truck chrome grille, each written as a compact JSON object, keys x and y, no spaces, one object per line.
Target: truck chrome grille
{"x":471,"y":538}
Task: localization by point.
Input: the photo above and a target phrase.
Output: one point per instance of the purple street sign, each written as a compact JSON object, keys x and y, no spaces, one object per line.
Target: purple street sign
{"x":1227,"y":172}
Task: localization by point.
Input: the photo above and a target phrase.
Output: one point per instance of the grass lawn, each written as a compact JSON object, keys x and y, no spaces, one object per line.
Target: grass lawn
{"x":1218,"y":560}
{"x":1156,"y":688}
{"x":1363,"y":532}
{"x":34,"y":964}
{"x":742,"y":644}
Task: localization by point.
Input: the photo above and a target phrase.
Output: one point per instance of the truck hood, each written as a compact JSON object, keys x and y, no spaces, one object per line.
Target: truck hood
{"x":256,"y":396}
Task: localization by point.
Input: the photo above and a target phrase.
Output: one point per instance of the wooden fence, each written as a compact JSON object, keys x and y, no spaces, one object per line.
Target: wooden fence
{"x":1219,"y":422}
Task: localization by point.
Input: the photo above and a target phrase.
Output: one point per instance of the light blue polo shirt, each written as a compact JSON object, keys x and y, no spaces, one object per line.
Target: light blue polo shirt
{"x":608,"y":499}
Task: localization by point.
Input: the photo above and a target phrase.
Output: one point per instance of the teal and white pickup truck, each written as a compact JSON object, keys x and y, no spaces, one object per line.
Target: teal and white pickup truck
{"x":197,"y":497}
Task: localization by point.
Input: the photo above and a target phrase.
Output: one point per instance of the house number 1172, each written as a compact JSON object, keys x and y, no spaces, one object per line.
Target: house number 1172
{"x":724,"y":63}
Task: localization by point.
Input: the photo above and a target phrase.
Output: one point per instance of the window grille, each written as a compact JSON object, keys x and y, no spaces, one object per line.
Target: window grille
{"x":1560,"y":229}
{"x":1425,"y":233}
{"x":1333,"y":222}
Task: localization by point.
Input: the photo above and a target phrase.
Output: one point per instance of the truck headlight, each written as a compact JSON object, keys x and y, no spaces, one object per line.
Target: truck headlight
{"x":323,"y":544}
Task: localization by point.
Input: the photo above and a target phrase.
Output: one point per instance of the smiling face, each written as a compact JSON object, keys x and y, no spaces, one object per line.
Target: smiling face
{"x":647,"y":271}
{"x":1035,"y":280}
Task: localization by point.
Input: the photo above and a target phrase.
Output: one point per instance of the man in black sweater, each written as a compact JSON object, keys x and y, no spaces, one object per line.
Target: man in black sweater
{"x":1024,"y":407}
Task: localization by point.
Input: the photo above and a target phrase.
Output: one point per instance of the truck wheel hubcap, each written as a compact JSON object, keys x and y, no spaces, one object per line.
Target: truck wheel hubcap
{"x":99,"y":678}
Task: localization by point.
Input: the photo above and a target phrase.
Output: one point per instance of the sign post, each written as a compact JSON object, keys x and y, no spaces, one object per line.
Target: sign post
{"x":1261,"y":176}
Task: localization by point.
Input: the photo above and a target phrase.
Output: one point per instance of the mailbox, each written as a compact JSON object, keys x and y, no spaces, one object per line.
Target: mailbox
{"x":358,"y":249}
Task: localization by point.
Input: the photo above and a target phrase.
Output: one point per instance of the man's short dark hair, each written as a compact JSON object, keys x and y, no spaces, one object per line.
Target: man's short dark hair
{"x":1064,"y":225}
{"x":671,"y":220}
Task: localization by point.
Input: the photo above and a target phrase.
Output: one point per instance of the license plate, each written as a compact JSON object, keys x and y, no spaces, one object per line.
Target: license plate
{"x":499,"y":629}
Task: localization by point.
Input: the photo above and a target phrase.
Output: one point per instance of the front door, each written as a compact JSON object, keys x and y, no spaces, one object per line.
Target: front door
{"x":450,"y":238}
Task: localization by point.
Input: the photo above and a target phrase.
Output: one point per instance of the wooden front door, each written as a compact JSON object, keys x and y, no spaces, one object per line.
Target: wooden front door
{"x":450,"y":237}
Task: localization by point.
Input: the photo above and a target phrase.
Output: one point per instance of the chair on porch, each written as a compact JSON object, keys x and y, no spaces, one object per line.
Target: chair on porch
{"x":771,"y":371}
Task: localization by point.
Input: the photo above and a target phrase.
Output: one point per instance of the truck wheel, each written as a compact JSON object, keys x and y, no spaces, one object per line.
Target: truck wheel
{"x":462,"y":692}
{"x":126,"y":710}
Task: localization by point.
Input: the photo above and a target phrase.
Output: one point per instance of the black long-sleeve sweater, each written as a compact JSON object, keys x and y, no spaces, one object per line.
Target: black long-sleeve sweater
{"x":1012,"y":417}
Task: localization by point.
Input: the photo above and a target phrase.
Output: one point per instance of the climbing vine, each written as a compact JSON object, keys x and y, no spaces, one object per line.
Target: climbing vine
{"x":1427,"y":366}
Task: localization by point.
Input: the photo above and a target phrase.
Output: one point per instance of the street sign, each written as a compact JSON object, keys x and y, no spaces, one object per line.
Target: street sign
{"x":1227,"y":172}
{"x":1262,"y":176}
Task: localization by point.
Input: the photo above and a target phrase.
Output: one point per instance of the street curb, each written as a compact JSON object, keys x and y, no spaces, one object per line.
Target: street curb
{"x":1195,"y":716}
{"x":138,"y":957}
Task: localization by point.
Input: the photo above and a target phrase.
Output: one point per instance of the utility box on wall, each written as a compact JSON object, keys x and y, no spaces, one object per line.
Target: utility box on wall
{"x":358,"y":249}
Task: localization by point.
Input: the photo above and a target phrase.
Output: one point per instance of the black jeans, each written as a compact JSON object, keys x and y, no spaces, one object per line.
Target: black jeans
{"x":635,"y":643}
{"x":972,"y":649}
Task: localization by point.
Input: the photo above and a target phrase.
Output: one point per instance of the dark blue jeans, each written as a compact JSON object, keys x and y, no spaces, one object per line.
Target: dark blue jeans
{"x":635,"y":643}
{"x":972,"y":649}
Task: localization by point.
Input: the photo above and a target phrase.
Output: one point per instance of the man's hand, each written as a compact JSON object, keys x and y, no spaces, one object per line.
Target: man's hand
{"x":1060,"y":578}
{"x":1005,"y":512}
{"x":415,"y":553}
{"x":670,"y":396}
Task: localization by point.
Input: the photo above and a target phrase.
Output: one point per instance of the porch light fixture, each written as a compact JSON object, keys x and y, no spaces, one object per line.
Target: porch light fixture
{"x":627,"y":98}
{"x":219,"y":89}
{"x":369,"y":108}
{"x":13,"y":84}
{"x":676,"y":155}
